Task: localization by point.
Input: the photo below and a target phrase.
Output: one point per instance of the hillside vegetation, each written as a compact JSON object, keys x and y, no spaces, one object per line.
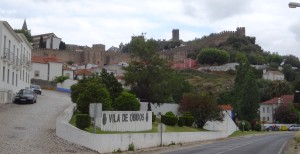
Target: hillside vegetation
{"x":213,"y":82}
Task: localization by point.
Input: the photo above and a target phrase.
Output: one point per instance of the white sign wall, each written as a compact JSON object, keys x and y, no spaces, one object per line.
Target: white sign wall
{"x":123,"y":121}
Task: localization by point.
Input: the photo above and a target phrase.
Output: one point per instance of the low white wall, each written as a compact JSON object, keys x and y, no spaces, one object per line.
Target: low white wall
{"x":66,"y":85}
{"x":109,"y":142}
{"x":226,"y":125}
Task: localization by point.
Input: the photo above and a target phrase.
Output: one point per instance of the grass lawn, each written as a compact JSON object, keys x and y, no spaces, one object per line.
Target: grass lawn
{"x":243,"y":133}
{"x":153,"y":130}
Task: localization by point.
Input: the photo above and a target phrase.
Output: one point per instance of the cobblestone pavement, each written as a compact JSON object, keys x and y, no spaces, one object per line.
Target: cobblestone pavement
{"x":30,"y":128}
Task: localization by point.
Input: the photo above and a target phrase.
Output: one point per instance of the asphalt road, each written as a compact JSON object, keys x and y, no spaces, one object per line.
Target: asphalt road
{"x":262,"y":144}
{"x":30,"y":128}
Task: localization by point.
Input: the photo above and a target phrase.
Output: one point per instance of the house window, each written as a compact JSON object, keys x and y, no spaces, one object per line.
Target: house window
{"x":3,"y":76}
{"x":264,"y":119}
{"x":37,"y":74}
{"x":23,"y":75}
{"x":268,"y":118}
{"x":16,"y":80}
{"x":67,"y":75}
{"x":263,"y":109}
{"x":268,"y":110}
{"x":7,"y":75}
{"x":12,"y":78}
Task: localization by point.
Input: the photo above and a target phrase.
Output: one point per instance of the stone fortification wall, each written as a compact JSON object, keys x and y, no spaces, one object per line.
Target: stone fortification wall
{"x":64,"y":55}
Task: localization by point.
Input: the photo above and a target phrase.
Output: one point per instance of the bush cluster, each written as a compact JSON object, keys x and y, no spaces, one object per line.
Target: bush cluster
{"x":83,"y":121}
{"x":181,"y":121}
{"x":153,"y":117}
{"x":247,"y":126}
{"x":257,"y":127}
{"x":169,"y":119}
{"x":188,"y":119}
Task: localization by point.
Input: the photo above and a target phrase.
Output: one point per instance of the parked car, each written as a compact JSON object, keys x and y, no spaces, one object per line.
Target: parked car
{"x":294,"y":127}
{"x":37,"y":89}
{"x":25,"y":96}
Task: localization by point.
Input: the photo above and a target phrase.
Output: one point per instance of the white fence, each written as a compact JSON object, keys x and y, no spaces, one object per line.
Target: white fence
{"x":112,"y":142}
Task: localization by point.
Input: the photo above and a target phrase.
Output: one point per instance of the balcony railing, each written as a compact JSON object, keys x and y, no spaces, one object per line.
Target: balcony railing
{"x":7,"y":55}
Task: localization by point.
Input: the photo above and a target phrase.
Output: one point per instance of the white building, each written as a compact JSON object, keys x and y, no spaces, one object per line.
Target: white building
{"x":50,"y":39}
{"x":273,"y":75}
{"x":267,"y":108}
{"x":46,"y":68}
{"x":15,"y":62}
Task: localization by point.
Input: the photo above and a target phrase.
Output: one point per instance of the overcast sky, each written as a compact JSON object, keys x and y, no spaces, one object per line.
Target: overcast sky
{"x":86,"y":22}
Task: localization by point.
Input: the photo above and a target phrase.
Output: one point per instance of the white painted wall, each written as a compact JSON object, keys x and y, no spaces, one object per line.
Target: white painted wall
{"x":55,"y":70}
{"x":163,"y":108}
{"x":271,"y":76}
{"x":266,"y":112}
{"x":11,"y":68}
{"x":55,"y":41}
{"x":109,"y":142}
{"x":227,"y":124}
{"x":66,"y":85}
{"x":43,"y":70}
{"x":122,"y":121}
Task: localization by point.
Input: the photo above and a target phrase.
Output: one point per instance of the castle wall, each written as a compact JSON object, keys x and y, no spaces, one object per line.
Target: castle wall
{"x":64,"y":55}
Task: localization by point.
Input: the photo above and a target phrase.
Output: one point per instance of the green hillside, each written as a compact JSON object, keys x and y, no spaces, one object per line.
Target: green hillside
{"x":214,"y":82}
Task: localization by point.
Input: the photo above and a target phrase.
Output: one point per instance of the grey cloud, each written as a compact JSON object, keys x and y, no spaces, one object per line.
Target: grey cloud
{"x":215,"y":9}
{"x":296,"y":30}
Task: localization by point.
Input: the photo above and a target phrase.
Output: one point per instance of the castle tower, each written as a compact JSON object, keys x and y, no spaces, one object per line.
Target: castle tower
{"x":175,"y":35}
{"x":240,"y":31}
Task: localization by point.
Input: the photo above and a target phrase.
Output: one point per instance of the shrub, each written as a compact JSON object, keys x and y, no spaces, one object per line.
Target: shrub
{"x":169,"y":120}
{"x":257,"y":127}
{"x":247,"y":126}
{"x":126,"y":102}
{"x":131,"y":147}
{"x":170,"y":113}
{"x":188,"y":119}
{"x":153,"y":117}
{"x":60,"y":79}
{"x":181,"y":121}
{"x":83,"y":121}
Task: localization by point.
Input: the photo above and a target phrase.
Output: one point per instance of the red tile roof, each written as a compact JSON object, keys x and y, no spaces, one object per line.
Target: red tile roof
{"x":226,"y":107}
{"x":285,"y":99}
{"x":86,"y":72}
{"x":44,"y":60}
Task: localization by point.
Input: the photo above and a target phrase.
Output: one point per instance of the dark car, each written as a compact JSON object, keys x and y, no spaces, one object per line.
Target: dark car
{"x":25,"y":96}
{"x":37,"y":89}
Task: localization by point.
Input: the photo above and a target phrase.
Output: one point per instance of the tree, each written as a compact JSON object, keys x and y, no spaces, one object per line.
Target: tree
{"x":247,"y":93}
{"x":180,"y":86}
{"x":202,"y":106}
{"x":126,"y":102}
{"x":62,"y":45}
{"x":279,"y":88}
{"x":288,"y":72}
{"x":26,"y":33}
{"x":292,"y":60}
{"x":286,"y":114}
{"x":213,"y":55}
{"x":149,"y":76}
{"x":42,"y":44}
{"x":274,"y":58}
{"x":90,"y":90}
{"x":250,"y":98}
{"x":113,"y":86}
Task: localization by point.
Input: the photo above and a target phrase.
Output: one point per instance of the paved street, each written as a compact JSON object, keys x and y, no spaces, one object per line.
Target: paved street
{"x":262,"y":144}
{"x":30,"y":128}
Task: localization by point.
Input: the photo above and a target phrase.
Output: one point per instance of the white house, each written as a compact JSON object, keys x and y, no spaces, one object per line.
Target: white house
{"x":46,"y":68}
{"x":50,"y":39}
{"x":267,"y":108}
{"x":15,"y":62}
{"x":273,"y":75}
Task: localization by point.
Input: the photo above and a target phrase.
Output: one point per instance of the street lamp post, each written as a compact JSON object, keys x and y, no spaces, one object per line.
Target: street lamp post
{"x":294,"y":4}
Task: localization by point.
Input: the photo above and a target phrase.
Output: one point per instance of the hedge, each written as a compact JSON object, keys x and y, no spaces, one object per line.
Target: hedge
{"x":169,"y":120}
{"x":83,"y":121}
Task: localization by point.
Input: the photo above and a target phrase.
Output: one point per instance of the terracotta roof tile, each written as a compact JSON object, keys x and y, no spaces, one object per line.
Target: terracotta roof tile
{"x":37,"y":59}
{"x":285,"y":99}
{"x":226,"y":107}
{"x":86,"y":72}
